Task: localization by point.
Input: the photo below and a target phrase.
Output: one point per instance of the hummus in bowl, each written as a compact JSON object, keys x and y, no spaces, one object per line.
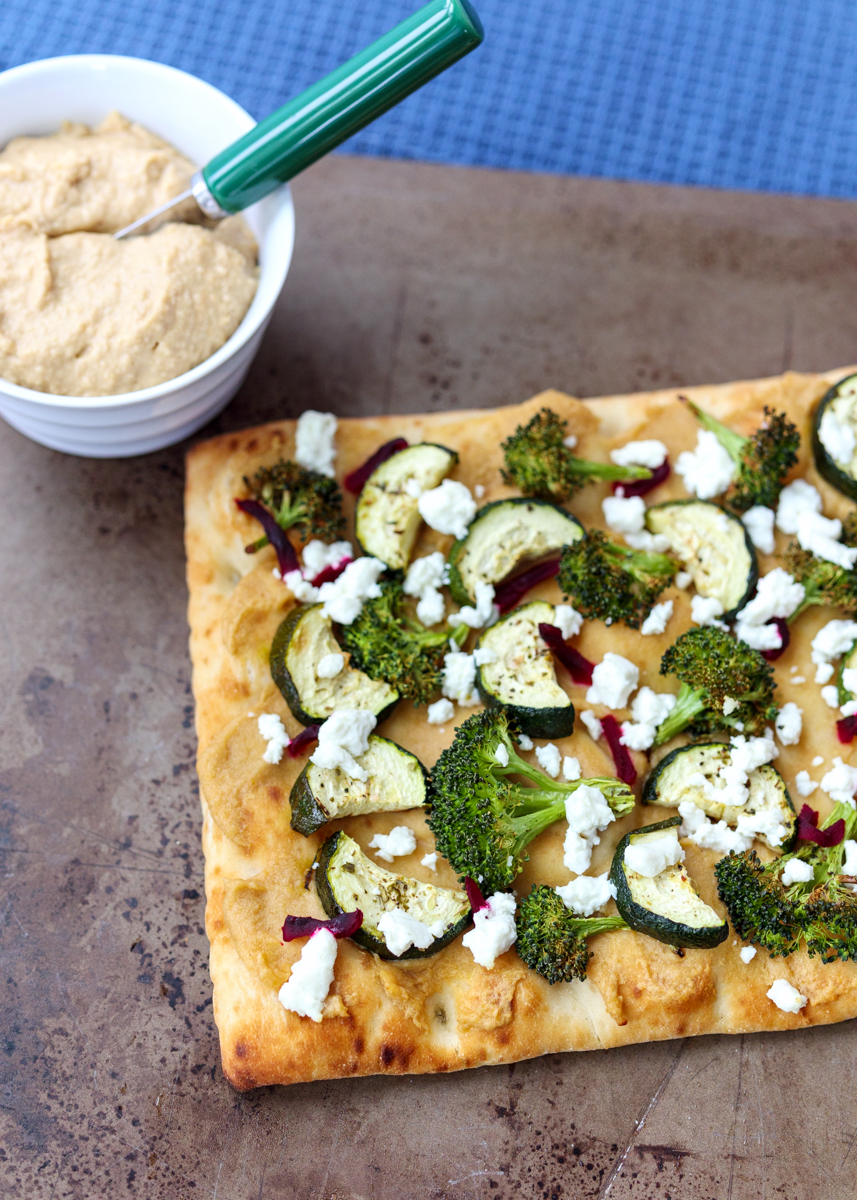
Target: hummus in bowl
{"x":84,"y":315}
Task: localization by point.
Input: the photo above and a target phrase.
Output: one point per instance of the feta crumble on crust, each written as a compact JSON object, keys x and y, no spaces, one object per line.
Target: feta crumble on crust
{"x":831,"y":641}
{"x":647,"y":453}
{"x":425,"y":576}
{"x":587,"y":894}
{"x":649,"y":709}
{"x":658,"y":619}
{"x":459,"y":678}
{"x":571,"y":769}
{"x":306,"y":988}
{"x":613,"y":680}
{"x":747,"y":954}
{"x":592,"y":723}
{"x":549,"y":759}
{"x":820,"y":536}
{"x":588,"y":814}
{"x":567,"y":620}
{"x":805,"y":786}
{"x":493,"y":931}
{"x":789,"y":724}
{"x":840,"y":782}
{"x":271,"y":728}
{"x":429,"y":860}
{"x":343,"y":598}
{"x":448,"y":508}
{"x":799,"y":497}
{"x":759,"y":523}
{"x":786,"y":997}
{"x":706,"y":471}
{"x":440,"y":712}
{"x":704,"y":610}
{"x":314,"y":448}
{"x":395,"y":844}
{"x":624,"y":515}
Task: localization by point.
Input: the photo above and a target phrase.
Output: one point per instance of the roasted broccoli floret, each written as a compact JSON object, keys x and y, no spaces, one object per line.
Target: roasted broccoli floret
{"x":388,"y":644}
{"x":481,"y":820}
{"x":761,"y":461}
{"x":306,"y":501}
{"x":821,"y":913}
{"x":724,"y":685}
{"x":824,"y":582}
{"x":552,"y":940}
{"x":613,"y":582}
{"x":539,"y":463}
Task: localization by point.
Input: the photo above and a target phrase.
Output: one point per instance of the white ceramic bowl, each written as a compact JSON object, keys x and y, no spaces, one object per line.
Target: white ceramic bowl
{"x":200,"y":121}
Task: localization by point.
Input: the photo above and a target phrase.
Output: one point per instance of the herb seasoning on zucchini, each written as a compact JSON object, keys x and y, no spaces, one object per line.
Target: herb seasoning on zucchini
{"x":713,"y":546}
{"x":303,"y":639}
{"x":522,"y":678}
{"x":387,"y":517}
{"x":672,"y":782}
{"x":397,"y":781}
{"x":834,"y":437}
{"x":347,"y":879}
{"x":503,"y":539}
{"x":664,"y":905}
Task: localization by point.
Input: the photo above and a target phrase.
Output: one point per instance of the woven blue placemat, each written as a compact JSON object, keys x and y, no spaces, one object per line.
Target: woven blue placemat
{"x":755,"y":94}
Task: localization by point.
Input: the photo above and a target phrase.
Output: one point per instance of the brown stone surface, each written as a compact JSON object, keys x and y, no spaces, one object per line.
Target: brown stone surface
{"x":413,"y":287}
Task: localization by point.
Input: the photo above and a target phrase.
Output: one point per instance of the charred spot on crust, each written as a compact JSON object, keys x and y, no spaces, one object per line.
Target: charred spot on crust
{"x":358,"y":1045}
{"x":275,"y":793}
{"x":388,"y":1055}
{"x":240,"y":1050}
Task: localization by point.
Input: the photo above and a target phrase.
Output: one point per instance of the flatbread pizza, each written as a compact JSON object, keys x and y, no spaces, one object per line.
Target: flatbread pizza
{"x":438,"y":1009}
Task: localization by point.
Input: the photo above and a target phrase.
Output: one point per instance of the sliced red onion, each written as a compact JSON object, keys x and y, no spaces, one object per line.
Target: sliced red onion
{"x":287,"y":559}
{"x":474,"y":895}
{"x":785,"y":638}
{"x":300,"y":744}
{"x":510,"y":591}
{"x":625,"y":768}
{"x":340,"y":926}
{"x":328,"y":574}
{"x":355,"y":479}
{"x":641,"y":487}
{"x":846,"y":729}
{"x":808,"y":831}
{"x":579,"y":668}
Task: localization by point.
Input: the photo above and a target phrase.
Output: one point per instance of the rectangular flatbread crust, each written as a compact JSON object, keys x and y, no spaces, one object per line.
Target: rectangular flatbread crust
{"x":447,"y":1013}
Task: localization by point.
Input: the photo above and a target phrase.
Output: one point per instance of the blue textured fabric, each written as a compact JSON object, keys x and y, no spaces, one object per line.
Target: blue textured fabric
{"x":757,"y":94}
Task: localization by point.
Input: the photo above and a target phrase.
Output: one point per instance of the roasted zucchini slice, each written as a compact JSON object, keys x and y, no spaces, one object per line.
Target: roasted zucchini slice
{"x":300,"y":643}
{"x":848,"y":660}
{"x":664,"y":906}
{"x":668,"y":786}
{"x":504,"y":538}
{"x":397,"y":781}
{"x":347,"y":879}
{"x":522,"y":679}
{"x":713,"y":546}
{"x":387,"y":517}
{"x":841,"y":403}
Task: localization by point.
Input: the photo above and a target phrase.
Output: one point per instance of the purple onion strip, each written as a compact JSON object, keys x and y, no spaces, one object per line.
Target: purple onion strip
{"x":510,"y":591}
{"x":625,"y":768}
{"x":641,"y":487}
{"x":343,"y":925}
{"x":287,"y":559}
{"x":355,"y":480}
{"x":579,"y":668}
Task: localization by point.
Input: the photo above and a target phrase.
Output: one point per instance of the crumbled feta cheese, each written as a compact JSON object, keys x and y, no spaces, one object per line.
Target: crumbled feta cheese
{"x":449,"y":508}
{"x":567,"y":620}
{"x":306,"y":988}
{"x":549,"y":759}
{"x":840,"y":782}
{"x":341,"y":737}
{"x":424,"y":578}
{"x":649,"y":453}
{"x":849,"y":708}
{"x":613,"y":680}
{"x":493,"y":931}
{"x":302,"y":591}
{"x":652,"y":857}
{"x":430,"y":860}
{"x":401,"y":931}
{"x":849,"y":680}
{"x":343,"y":598}
{"x":592,"y":723}
{"x":587,"y":894}
{"x":317,"y":555}
{"x":651,"y":543}
{"x":485,"y":612}
{"x":656,"y":621}
{"x":577,"y":851}
{"x":818,"y":760}
{"x":804,"y":784}
{"x":823,"y":672}
{"x":837,"y":438}
{"x":797,"y":498}
{"x":778,"y":594}
{"x":819,"y":535}
{"x":849,"y":861}
{"x":330,"y":665}
{"x":483,"y":655}
{"x":683,"y":580}
{"x":314,"y":436}
{"x":571,"y":768}
{"x":830,"y":695}
{"x":718,"y":836}
{"x":789,"y":724}
{"x":501,"y":754}
{"x":624,"y":515}
{"x":798,"y":679}
{"x":570,"y":441}
{"x":587,"y":811}
{"x":704,"y":610}
{"x":706,"y":471}
{"x":749,"y":753}
{"x":747,"y":954}
{"x":637,"y":737}
{"x":786,"y":997}
{"x":759,"y":637}
{"x":413,"y":488}
{"x":525,"y":742}
{"x":796,"y":871}
{"x":440,"y":712}
{"x":759,"y":523}
{"x":459,"y":678}
{"x":395,"y":844}
{"x":479,"y":491}
{"x":272,"y":730}
{"x":831,"y":641}
{"x":649,"y":710}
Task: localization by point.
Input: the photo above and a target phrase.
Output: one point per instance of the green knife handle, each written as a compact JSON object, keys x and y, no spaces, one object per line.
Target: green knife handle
{"x":342,"y":103}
